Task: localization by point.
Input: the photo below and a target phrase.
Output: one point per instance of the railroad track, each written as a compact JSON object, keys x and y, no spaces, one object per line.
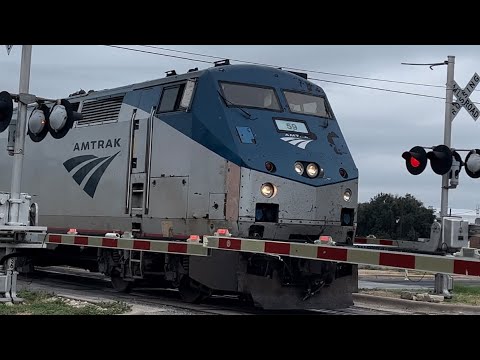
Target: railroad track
{"x":73,"y":283}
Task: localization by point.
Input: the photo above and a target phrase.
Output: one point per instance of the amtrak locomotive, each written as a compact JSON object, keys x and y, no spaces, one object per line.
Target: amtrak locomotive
{"x":252,"y":149}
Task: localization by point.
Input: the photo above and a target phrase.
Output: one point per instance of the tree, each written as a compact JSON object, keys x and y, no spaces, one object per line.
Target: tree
{"x":394,"y":217}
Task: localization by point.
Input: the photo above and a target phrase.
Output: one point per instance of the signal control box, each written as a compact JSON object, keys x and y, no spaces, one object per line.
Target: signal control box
{"x":454,"y":233}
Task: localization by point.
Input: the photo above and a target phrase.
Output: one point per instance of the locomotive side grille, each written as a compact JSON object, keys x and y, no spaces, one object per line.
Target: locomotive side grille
{"x":101,"y":111}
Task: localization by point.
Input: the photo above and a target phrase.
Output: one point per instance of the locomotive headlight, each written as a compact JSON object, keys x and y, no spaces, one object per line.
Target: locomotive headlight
{"x":299,"y":168}
{"x":312,"y":170}
{"x":347,"y":195}
{"x":268,"y":190}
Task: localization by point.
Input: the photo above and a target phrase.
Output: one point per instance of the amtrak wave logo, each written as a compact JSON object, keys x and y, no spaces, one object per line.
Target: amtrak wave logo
{"x":295,"y":141}
{"x":90,"y":162}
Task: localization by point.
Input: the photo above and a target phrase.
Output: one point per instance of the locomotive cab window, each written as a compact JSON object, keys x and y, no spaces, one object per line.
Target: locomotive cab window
{"x":307,"y":104}
{"x":171,"y":99}
{"x":243,"y":95}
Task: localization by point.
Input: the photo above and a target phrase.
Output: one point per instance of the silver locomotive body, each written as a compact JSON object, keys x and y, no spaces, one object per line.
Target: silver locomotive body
{"x":129,"y":165}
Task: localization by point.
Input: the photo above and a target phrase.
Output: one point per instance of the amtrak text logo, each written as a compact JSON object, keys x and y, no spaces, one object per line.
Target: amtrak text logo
{"x":300,"y":142}
{"x":90,"y":162}
{"x":97,"y":144}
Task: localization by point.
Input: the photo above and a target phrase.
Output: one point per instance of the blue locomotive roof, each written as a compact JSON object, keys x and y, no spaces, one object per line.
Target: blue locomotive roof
{"x":250,"y":136}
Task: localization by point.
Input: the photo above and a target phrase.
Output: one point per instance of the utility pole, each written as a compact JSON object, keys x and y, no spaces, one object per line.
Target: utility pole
{"x":24,"y":99}
{"x":442,"y":280}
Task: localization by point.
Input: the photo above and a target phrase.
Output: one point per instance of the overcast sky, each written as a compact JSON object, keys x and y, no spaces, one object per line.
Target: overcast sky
{"x":378,"y":125}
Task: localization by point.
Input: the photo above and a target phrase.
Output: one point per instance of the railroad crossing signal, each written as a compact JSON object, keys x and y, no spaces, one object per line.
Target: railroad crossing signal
{"x":441,"y":159}
{"x":6,"y":110}
{"x":57,"y":120}
{"x":463,"y":95}
{"x":416,"y":160}
{"x":472,"y":163}
{"x":38,"y":123}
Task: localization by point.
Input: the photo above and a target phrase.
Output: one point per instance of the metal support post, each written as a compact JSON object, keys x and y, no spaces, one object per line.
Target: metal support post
{"x":20,"y":137}
{"x":8,"y":280}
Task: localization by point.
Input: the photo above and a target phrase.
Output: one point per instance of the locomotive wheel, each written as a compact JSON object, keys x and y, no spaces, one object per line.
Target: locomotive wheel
{"x":119,"y":284}
{"x":192,"y":291}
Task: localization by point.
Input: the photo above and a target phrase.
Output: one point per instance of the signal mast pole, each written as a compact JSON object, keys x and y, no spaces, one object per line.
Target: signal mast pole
{"x":442,"y":280}
{"x":20,"y":136}
{"x":447,"y":134}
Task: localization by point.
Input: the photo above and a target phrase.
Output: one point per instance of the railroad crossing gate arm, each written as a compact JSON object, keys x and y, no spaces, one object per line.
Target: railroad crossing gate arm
{"x":194,"y":248}
{"x":448,"y":264}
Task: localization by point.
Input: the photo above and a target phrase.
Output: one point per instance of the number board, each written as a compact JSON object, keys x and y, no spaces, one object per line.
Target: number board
{"x":291,"y":126}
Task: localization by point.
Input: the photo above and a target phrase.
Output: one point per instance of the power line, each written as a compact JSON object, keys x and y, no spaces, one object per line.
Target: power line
{"x":160,"y":54}
{"x":203,"y":55}
{"x":381,"y":89}
{"x":296,"y":69}
{"x":320,"y":72}
{"x":328,"y":81}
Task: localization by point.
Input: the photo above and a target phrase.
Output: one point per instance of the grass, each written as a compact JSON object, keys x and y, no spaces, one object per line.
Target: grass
{"x":42,"y":303}
{"x":465,"y":295}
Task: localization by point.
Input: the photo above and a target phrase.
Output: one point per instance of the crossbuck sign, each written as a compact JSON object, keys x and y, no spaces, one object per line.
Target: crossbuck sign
{"x":462,"y":96}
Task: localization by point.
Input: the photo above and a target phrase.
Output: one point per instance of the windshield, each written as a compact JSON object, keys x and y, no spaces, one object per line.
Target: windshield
{"x":307,"y":104}
{"x":250,"y":96}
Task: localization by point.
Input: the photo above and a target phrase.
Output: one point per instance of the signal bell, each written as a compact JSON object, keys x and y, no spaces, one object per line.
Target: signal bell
{"x":6,"y":110}
{"x":416,"y":160}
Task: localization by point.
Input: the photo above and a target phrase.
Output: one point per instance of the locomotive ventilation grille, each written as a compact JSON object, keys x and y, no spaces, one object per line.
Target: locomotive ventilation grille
{"x":101,"y":111}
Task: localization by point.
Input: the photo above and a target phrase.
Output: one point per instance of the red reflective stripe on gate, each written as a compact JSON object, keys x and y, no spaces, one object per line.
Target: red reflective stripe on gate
{"x":109,"y":242}
{"x":277,"y":248}
{"x":397,"y":260}
{"x":55,"y":239}
{"x":332,"y":254}
{"x":80,"y":240}
{"x":386,"y":242}
{"x":466,"y":267}
{"x":360,"y":241}
{"x":141,"y":245}
{"x":179,"y":248}
{"x":225,"y":243}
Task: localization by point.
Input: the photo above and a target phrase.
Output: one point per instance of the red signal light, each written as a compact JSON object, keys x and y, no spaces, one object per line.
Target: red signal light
{"x":414,"y":162}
